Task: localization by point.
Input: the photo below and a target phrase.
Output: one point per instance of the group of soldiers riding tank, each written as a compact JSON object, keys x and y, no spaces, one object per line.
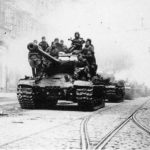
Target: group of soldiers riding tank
{"x":83,"y":49}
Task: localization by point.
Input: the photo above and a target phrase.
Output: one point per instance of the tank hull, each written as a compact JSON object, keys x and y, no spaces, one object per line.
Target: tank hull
{"x":47,"y":92}
{"x":115,"y":93}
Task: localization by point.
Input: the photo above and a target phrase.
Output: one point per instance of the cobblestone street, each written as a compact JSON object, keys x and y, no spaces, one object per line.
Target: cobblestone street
{"x":130,"y":138}
{"x":102,"y":123}
{"x":74,"y":75}
{"x":61,"y":128}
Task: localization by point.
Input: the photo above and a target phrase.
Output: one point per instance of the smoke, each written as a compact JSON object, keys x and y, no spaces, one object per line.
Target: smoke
{"x":119,"y":31}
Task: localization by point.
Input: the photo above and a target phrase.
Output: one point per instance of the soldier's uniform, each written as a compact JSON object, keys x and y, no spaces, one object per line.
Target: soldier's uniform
{"x":45,"y":63}
{"x":77,"y":43}
{"x":63,"y":48}
{"x":53,"y":50}
{"x":82,"y":69}
{"x":44,"y":45}
{"x":88,"y":54}
{"x":35,"y":60}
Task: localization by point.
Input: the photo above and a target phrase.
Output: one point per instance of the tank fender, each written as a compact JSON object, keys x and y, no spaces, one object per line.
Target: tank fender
{"x":82,"y":83}
{"x":26,"y":82}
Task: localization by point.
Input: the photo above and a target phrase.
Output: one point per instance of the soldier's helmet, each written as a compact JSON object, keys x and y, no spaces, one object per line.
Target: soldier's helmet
{"x":56,"y":40}
{"x":89,"y":40}
{"x":62,"y":42}
{"x":35,"y":42}
{"x":77,"y":34}
{"x":43,"y":37}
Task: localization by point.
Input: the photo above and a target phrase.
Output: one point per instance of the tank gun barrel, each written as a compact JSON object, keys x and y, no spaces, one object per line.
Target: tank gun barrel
{"x":35,"y":48}
{"x":48,"y":56}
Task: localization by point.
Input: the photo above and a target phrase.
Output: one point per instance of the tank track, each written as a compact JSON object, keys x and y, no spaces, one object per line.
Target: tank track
{"x":26,"y":97}
{"x":115,"y":95}
{"x":86,"y":99}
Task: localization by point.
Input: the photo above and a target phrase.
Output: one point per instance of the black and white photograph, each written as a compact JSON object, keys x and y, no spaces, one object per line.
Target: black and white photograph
{"x":74,"y":75}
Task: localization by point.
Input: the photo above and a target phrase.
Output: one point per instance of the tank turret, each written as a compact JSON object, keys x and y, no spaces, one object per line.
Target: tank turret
{"x":35,"y":48}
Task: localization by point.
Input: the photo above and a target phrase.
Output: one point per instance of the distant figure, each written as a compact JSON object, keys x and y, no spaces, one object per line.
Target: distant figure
{"x":77,"y":42}
{"x":44,"y":44}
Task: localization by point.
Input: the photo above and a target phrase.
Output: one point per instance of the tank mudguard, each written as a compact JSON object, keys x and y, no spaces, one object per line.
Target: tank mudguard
{"x":54,"y":82}
{"x":82,"y":83}
{"x":30,"y":82}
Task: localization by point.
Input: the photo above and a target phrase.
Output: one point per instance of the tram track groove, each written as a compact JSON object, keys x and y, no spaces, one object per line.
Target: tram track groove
{"x":85,"y":139}
{"x":102,"y":143}
{"x":135,"y":120}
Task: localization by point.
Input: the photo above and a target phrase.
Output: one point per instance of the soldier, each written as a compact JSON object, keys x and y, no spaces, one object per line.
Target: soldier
{"x":57,"y":47}
{"x":56,"y":44}
{"x":35,"y":42}
{"x":82,"y":69}
{"x":56,"y":41}
{"x":44,"y":44}
{"x":88,"y":53}
{"x":77,"y":43}
{"x":35,"y":59}
{"x":88,"y":47}
{"x":45,"y":63}
{"x":63,"y":47}
{"x":53,"y":50}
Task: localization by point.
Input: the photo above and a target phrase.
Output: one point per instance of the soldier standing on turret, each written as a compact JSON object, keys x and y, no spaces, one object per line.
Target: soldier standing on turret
{"x":34,"y":58}
{"x":44,"y":44}
{"x":77,"y":42}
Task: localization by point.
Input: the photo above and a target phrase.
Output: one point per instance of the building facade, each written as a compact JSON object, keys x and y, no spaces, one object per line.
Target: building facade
{"x":15,"y":22}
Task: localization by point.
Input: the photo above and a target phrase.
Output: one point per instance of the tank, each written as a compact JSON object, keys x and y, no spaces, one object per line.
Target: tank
{"x":129,"y":92}
{"x":58,"y":78}
{"x":115,"y":91}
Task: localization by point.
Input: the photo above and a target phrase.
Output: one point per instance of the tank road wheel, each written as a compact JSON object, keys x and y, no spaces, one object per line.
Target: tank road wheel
{"x":26,"y":97}
{"x":112,"y":98}
{"x":118,"y":97}
{"x":101,"y":102}
{"x":115,"y":94}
